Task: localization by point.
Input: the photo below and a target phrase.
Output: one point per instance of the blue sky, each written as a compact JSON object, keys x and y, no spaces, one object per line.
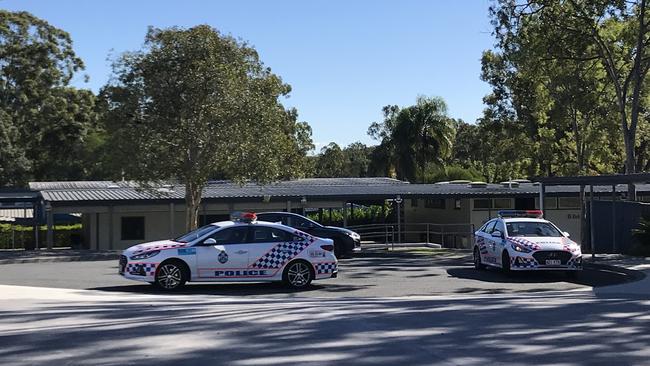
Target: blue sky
{"x":344,"y":59}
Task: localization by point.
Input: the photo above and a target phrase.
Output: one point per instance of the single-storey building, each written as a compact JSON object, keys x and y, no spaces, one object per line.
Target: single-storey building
{"x":116,"y":215}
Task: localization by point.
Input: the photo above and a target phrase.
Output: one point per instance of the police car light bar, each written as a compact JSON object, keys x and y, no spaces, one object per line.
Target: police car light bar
{"x":243,"y":217}
{"x":521,"y":213}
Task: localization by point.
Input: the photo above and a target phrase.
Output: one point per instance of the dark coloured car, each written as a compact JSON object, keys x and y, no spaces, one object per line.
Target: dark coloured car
{"x":345,"y":241}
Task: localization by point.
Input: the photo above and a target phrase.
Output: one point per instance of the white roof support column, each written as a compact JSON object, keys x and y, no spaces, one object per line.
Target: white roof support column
{"x":541,"y":196}
{"x":49,"y":217}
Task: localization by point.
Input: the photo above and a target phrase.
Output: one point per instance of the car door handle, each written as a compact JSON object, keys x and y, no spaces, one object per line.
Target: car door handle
{"x":241,"y":252}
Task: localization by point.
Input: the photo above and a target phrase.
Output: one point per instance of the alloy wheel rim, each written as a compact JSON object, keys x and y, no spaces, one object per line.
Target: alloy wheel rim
{"x":169,"y":276}
{"x":298,"y":274}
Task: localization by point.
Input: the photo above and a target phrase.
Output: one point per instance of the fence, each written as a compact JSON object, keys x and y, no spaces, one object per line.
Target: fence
{"x":447,"y":235}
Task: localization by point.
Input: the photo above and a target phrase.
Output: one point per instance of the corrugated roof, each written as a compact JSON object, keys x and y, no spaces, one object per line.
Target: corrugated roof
{"x":332,"y":188}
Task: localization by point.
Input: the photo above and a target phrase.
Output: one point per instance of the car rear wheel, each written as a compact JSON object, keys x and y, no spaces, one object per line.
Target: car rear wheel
{"x":298,"y":274}
{"x":170,"y":276}
{"x":477,"y":259}
{"x":505,"y":262}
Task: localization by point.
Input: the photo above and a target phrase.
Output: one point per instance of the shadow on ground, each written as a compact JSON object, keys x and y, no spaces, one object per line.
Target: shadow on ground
{"x":592,"y":276}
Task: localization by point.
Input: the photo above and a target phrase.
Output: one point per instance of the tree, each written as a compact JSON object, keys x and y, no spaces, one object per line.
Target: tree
{"x":415,"y":136}
{"x":44,"y":120}
{"x":193,"y":105}
{"x":614,"y":32}
{"x":331,"y":162}
{"x":357,"y":159}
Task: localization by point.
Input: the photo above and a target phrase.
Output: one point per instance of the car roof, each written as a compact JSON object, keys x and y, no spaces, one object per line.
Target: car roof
{"x":238,"y":223}
{"x":278,"y":213}
{"x":523,"y":219}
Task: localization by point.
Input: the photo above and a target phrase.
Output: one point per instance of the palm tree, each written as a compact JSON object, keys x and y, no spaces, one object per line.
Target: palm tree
{"x":422,"y":135}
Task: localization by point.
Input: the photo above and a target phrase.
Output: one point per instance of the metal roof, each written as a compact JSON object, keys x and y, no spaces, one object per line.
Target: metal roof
{"x":312,"y":189}
{"x":610,"y":179}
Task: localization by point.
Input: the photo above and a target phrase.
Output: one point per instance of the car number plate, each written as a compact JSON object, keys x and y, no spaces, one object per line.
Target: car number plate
{"x":551,"y":262}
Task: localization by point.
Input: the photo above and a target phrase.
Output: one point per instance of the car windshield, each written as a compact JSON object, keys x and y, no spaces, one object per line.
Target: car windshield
{"x":195,"y":234}
{"x":529,"y":228}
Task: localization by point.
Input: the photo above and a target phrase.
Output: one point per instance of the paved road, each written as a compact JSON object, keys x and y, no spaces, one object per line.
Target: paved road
{"x":373,"y":274}
{"x":90,"y":327}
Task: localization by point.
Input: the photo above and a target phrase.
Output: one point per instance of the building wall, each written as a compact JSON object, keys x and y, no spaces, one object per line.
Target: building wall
{"x":103,"y":224}
{"x":445,"y":220}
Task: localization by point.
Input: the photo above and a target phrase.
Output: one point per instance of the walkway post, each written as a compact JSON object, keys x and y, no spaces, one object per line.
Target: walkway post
{"x":541,"y":197}
{"x":49,"y":216}
{"x":591,"y":222}
{"x":614,"y":246}
{"x":398,"y":200}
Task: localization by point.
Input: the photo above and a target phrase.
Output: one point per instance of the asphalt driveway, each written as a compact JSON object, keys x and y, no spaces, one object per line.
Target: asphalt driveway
{"x":378,"y":273}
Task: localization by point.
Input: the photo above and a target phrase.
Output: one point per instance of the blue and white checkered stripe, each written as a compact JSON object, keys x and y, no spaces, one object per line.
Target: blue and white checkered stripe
{"x":149,"y":268}
{"x":281,"y":254}
{"x":324,"y":268}
{"x":523,"y":262}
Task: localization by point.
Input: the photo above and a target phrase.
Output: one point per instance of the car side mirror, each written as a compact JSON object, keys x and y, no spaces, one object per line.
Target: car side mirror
{"x":497,"y":234}
{"x":566,"y":233}
{"x":209,"y":241}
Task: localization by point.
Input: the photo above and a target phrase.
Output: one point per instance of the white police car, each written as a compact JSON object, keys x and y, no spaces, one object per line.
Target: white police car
{"x":523,"y":241}
{"x":232,"y":251}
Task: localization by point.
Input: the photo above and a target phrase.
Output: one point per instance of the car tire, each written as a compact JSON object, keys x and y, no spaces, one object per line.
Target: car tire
{"x":505,"y":262}
{"x":171,"y":275}
{"x":477,"y":260}
{"x":298,"y":274}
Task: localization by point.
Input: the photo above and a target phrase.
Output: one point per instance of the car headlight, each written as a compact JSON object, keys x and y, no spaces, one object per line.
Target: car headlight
{"x":353,"y":235}
{"x":146,"y":255}
{"x":520,"y":248}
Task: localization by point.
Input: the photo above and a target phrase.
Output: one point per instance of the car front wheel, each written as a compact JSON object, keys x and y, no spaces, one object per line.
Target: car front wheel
{"x":170,"y":276}
{"x":505,"y":262}
{"x":477,"y":259}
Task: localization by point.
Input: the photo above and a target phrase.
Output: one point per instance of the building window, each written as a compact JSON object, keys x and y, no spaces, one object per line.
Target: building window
{"x":414,"y":202}
{"x":482,"y":203}
{"x":438,"y":203}
{"x":457,"y":204}
{"x":550,"y":202}
{"x":569,"y":202}
{"x":502,"y":203}
{"x":133,"y":228}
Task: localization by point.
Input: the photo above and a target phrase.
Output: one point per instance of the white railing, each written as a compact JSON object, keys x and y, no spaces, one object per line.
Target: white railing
{"x":447,"y":235}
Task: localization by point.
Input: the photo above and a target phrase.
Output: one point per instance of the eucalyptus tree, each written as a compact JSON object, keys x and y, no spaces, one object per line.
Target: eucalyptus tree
{"x":614,"y":33}
{"x":195,"y":104}
{"x":44,"y":120}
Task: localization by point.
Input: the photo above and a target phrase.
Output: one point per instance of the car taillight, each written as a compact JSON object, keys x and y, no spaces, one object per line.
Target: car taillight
{"x":328,"y":247}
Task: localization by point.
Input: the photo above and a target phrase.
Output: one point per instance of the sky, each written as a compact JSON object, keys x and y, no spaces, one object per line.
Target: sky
{"x":345,"y":60}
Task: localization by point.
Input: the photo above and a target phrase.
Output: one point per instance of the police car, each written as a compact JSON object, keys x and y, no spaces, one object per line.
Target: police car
{"x":243,"y":249}
{"x":524,"y":241}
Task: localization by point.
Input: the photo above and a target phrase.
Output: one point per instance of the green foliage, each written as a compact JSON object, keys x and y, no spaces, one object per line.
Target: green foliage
{"x":194,"y":104}
{"x":436,"y":173}
{"x":415,"y":136}
{"x":362,"y":215}
{"x":571,"y":75}
{"x":18,"y":236}
{"x":43,"y":121}
{"x":351,"y":161}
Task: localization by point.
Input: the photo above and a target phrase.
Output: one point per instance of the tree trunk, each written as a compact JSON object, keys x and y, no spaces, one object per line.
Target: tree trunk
{"x":193,"y":192}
